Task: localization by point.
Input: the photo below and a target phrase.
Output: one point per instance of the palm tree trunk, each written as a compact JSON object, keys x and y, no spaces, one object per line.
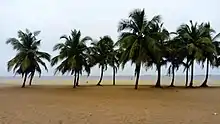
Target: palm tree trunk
{"x":158,"y":76}
{"x":74,"y":83}
{"x":113,"y":75}
{"x":204,"y":84}
{"x":77,"y":80}
{"x":100,"y":80}
{"x":25,"y":78}
{"x":187,"y":71}
{"x":192,"y":69}
{"x":32,"y":76}
{"x":137,"y":69}
{"x":173,"y":76}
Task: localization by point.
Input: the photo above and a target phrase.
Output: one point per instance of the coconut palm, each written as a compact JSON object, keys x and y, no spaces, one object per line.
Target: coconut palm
{"x":102,"y":52}
{"x":73,"y":55}
{"x":174,"y":56}
{"x":112,"y":56}
{"x":157,"y":49}
{"x":196,"y":42}
{"x":28,"y":58}
{"x":186,"y":65}
{"x":113,"y":61}
{"x":210,"y":55}
{"x":134,"y":40}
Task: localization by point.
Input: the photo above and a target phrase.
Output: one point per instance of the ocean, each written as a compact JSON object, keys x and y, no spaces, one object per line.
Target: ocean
{"x":145,"y":79}
{"x":142,"y":77}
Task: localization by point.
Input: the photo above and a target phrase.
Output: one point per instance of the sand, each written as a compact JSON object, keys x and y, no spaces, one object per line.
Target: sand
{"x":54,"y":104}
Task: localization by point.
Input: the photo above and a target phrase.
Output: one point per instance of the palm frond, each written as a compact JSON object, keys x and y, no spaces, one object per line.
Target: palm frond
{"x":15,"y":43}
{"x":86,"y":39}
{"x":43,"y":55}
{"x":64,"y":37}
{"x":42,"y":63}
{"x":216,"y":37}
{"x":58,"y":46}
{"x":36,"y":33}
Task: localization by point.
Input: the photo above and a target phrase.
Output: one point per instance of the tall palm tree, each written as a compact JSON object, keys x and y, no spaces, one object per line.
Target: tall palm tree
{"x":210,"y":55}
{"x":73,"y":55}
{"x":160,"y":37}
{"x":196,"y":42}
{"x":134,"y":40}
{"x":28,"y":58}
{"x":102,"y":52}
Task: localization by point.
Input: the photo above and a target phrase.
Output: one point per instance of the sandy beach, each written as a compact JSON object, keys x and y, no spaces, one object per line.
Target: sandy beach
{"x":61,"y":104}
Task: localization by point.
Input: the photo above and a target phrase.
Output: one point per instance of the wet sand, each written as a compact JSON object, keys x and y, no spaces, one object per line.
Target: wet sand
{"x":54,"y":104}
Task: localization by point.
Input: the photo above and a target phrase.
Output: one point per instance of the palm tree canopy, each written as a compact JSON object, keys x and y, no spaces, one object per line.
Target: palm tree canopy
{"x":174,"y":53}
{"x":28,"y":58}
{"x":102,"y":52}
{"x":135,"y":39}
{"x":196,"y":39}
{"x":72,"y":54}
{"x":211,"y":53}
{"x":157,"y":47}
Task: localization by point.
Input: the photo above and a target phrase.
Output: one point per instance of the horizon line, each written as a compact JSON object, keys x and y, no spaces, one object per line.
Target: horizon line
{"x":105,"y":75}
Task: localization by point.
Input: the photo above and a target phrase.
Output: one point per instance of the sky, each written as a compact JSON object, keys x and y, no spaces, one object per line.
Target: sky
{"x":95,"y":18}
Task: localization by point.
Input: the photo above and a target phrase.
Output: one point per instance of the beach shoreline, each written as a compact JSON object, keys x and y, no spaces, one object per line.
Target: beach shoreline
{"x":84,"y":81}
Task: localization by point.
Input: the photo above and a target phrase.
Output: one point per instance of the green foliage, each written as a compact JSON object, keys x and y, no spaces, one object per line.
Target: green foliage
{"x":73,"y":54}
{"x":102,"y":52}
{"x":198,"y":41}
{"x":174,"y":53}
{"x":28,"y":58}
{"x":141,"y":41}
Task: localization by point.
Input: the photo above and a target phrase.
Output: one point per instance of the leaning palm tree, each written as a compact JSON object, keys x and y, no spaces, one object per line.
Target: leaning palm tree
{"x":210,"y":55}
{"x":174,"y":56}
{"x":196,"y":43}
{"x":28,"y":58}
{"x":178,"y":56}
{"x":101,"y":53}
{"x":134,"y":41}
{"x":73,"y":55}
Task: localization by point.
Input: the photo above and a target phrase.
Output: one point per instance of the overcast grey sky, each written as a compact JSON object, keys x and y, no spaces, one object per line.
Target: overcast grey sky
{"x":94,"y":18}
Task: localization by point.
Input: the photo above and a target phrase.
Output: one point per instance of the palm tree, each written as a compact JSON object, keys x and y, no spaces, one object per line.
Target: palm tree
{"x":73,"y":55}
{"x":210,"y":54}
{"x":160,"y":37}
{"x":174,"y":56}
{"x":186,"y":65}
{"x":28,"y":58}
{"x":196,"y":42}
{"x":102,"y":53}
{"x":113,"y":61}
{"x":134,"y":40}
